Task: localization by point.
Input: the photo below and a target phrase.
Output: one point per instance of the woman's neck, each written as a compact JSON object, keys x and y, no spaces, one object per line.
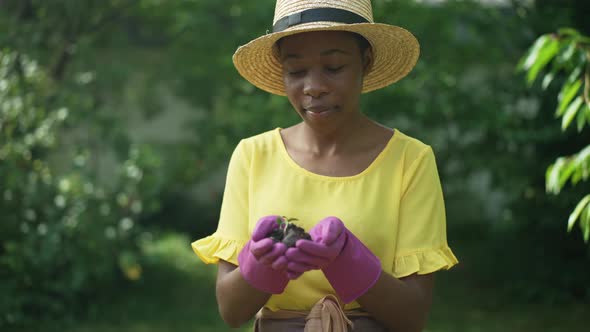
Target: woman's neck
{"x":348,"y":136}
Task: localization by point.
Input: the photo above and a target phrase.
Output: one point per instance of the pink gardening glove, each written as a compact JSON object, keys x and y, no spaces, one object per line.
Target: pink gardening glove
{"x":350,"y":267}
{"x":328,"y":240}
{"x":258,"y":255}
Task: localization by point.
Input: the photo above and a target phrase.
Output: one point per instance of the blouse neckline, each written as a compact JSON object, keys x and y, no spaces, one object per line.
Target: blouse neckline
{"x":374,"y":163}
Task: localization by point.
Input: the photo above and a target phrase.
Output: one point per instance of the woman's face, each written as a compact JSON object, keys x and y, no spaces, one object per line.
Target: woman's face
{"x":323,"y":75}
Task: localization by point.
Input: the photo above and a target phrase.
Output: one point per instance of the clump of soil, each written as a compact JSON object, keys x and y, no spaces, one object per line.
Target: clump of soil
{"x":288,"y":233}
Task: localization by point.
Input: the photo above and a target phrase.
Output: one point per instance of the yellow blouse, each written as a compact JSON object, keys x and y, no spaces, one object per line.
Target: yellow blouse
{"x":395,"y":207}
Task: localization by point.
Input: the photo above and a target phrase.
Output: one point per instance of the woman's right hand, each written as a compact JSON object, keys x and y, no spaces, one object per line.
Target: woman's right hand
{"x":265,"y":249}
{"x":258,"y":255}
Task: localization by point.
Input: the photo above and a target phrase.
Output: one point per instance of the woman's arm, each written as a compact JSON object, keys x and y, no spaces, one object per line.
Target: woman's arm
{"x":400,"y":304}
{"x":238,"y":302}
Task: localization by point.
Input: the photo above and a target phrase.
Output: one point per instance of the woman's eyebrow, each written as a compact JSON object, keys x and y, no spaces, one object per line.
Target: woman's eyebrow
{"x":291,"y":56}
{"x":333,"y":51}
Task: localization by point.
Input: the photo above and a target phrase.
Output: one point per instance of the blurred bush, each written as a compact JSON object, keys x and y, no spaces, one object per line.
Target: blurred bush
{"x":64,"y":235}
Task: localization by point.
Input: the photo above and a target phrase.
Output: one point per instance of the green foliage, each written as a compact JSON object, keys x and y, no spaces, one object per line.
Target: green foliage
{"x":64,"y":233}
{"x":569,"y":53}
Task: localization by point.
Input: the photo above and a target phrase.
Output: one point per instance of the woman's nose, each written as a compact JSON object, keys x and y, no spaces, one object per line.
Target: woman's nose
{"x":315,"y":84}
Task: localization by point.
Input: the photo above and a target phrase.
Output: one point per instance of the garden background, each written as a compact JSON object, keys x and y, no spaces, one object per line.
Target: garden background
{"x":118,"y":117}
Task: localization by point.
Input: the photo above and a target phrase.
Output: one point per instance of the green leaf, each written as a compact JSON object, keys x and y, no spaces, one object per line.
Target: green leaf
{"x":586,"y":224}
{"x":541,"y":58}
{"x":583,"y":155}
{"x":569,"y":52}
{"x":581,"y":118}
{"x":552,"y":184}
{"x":568,"y":32}
{"x":548,"y":78}
{"x":582,"y":162}
{"x":530,"y":58}
{"x":566,"y":53}
{"x":576,"y":72}
{"x":566,"y":172}
{"x":577,"y":211}
{"x":571,"y":111}
{"x":567,"y":93}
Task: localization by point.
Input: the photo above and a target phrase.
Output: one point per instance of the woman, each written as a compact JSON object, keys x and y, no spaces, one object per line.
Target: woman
{"x":369,"y":195}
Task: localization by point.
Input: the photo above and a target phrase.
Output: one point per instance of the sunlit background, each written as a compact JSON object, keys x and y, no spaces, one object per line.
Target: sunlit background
{"x":118,"y":117}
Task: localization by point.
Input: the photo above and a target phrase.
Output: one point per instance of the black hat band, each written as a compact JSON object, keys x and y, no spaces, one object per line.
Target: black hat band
{"x":318,"y":15}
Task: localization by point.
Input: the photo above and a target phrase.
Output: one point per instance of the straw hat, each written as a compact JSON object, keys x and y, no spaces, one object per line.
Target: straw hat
{"x":395,"y":49}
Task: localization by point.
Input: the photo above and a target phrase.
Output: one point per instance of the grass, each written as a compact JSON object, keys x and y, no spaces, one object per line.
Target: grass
{"x":459,"y":306}
{"x":177,"y":293}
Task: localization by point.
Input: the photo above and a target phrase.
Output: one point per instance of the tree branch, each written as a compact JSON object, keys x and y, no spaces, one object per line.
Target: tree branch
{"x":75,"y":31}
{"x":587,"y":80}
{"x":59,"y":68}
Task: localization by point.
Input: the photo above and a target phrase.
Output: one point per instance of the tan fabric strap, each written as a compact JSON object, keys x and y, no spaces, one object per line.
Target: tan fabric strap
{"x":325,"y":316}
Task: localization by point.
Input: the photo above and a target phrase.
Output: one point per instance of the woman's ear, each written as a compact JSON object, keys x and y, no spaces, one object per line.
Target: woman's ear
{"x":368,"y":60}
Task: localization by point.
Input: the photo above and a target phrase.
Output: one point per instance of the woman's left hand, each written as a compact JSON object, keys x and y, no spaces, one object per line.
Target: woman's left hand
{"x":350,"y":267}
{"x":327,"y":240}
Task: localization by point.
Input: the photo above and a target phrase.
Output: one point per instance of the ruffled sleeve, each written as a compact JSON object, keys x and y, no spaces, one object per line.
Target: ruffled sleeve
{"x":232,"y":229}
{"x":214,"y":247}
{"x":422,"y":236}
{"x":424,"y":262}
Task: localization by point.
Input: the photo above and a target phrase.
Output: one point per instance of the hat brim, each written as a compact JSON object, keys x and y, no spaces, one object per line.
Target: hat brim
{"x":395,"y":50}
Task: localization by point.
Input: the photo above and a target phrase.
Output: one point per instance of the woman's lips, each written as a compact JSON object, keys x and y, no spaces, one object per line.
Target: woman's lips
{"x":317,"y":111}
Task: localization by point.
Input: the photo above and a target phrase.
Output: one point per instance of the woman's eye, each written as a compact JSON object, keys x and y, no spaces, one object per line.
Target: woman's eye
{"x":296,"y":72}
{"x":334,"y":69}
